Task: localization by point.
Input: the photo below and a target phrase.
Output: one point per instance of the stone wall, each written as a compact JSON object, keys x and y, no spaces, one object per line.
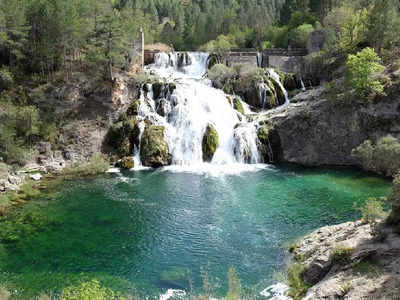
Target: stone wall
{"x":288,"y":64}
{"x":244,"y":58}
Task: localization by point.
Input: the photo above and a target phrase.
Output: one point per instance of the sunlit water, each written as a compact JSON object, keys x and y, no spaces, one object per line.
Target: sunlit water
{"x":158,"y":229}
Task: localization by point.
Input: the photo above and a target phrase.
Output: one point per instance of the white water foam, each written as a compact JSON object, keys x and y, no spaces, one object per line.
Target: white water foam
{"x":277,"y":291}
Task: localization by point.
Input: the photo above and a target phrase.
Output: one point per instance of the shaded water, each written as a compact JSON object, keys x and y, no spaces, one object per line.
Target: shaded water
{"x":153,"y":228}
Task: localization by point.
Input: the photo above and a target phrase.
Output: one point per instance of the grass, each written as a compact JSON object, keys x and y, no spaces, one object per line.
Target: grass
{"x":97,"y":164}
{"x":293,"y":277}
{"x":341,"y":253}
{"x":368,"y":269}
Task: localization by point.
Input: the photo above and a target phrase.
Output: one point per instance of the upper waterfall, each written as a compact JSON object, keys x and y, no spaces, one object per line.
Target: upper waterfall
{"x":182,"y":101}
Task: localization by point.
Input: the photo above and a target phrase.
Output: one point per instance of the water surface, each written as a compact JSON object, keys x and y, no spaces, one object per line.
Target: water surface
{"x":157,"y":229}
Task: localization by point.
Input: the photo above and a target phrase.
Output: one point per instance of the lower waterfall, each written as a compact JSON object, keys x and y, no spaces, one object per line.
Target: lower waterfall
{"x":183,"y":101}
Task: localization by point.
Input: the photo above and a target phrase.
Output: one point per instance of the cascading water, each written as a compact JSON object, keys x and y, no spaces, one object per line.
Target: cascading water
{"x":185,"y":104}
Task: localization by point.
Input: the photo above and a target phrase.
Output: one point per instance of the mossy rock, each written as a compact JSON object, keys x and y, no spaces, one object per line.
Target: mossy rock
{"x":213,"y":59}
{"x":133,"y":109}
{"x":123,"y":135}
{"x":290,"y":82}
{"x":210,"y":143}
{"x":237,"y":104}
{"x":265,"y":145}
{"x":153,"y":148}
{"x":172,"y":87}
{"x":158,"y":88}
{"x":280,"y":95}
{"x":175,"y":277}
{"x":127,"y":163}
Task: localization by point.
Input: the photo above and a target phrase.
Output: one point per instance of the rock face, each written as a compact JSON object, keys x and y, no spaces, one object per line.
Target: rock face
{"x":269,"y":143}
{"x":395,"y":200}
{"x":153,"y":148}
{"x":314,"y":131}
{"x":210,"y":143}
{"x":371,"y":269}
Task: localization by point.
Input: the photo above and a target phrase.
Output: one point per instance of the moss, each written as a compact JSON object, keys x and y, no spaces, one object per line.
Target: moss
{"x":153,"y":148}
{"x":210,"y":143}
{"x":237,"y":104}
{"x":133,"y":109}
{"x":127,"y":163}
{"x":367,"y":268}
{"x":213,"y":59}
{"x":229,"y":100}
{"x":123,"y":135}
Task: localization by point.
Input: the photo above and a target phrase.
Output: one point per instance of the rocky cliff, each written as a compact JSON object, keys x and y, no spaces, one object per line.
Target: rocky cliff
{"x":315,"y":131}
{"x":346,"y":261}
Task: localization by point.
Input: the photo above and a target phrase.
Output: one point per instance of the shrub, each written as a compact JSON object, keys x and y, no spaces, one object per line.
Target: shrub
{"x":301,"y":34}
{"x":220,"y":74}
{"x":361,"y":71}
{"x":294,"y":279}
{"x":395,"y":200}
{"x":341,"y":253}
{"x":91,"y":290}
{"x":372,"y":210}
{"x":97,"y":164}
{"x":382,"y":158}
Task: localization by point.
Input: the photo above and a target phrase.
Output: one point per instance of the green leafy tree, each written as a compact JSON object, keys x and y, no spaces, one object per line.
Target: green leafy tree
{"x":361,"y":72}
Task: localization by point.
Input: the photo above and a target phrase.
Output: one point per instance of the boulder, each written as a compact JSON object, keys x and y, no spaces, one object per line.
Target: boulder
{"x":127,"y":163}
{"x":210,"y":143}
{"x":153,"y":148}
{"x":237,"y":104}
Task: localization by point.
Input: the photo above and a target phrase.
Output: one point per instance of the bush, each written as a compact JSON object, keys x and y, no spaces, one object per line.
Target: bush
{"x":341,"y":253}
{"x":301,"y":34}
{"x":395,"y":200}
{"x":361,"y":72}
{"x":382,"y":157}
{"x":294,"y":279}
{"x":97,"y":164}
{"x":91,"y":290}
{"x":220,"y":74}
{"x":372,"y":210}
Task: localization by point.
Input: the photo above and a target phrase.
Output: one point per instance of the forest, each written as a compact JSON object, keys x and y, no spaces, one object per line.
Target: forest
{"x":56,"y":41}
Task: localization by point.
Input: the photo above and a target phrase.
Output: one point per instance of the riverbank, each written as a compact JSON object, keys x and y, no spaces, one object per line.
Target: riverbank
{"x":347,"y":261}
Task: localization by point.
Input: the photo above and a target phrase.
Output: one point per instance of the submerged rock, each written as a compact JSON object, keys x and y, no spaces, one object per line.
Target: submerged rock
{"x":153,"y":148}
{"x":210,"y":143}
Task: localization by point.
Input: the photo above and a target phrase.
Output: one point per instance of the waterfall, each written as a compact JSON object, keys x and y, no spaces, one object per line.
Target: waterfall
{"x":303,"y":87}
{"x":260,"y":59}
{"x":190,"y":107}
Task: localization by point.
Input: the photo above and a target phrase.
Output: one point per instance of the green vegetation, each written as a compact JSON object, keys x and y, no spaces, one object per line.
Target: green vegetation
{"x":97,"y":164}
{"x":91,"y":290}
{"x":368,"y":268}
{"x":372,"y":210}
{"x":394,"y":218}
{"x":153,"y":148}
{"x":294,"y":279}
{"x":237,"y":104}
{"x":209,"y":143}
{"x":383,"y":157}
{"x":362,"y":69}
{"x":341,"y":253}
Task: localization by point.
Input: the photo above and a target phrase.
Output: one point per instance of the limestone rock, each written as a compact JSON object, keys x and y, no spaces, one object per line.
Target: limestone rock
{"x":153,"y":148}
{"x":210,"y":143}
